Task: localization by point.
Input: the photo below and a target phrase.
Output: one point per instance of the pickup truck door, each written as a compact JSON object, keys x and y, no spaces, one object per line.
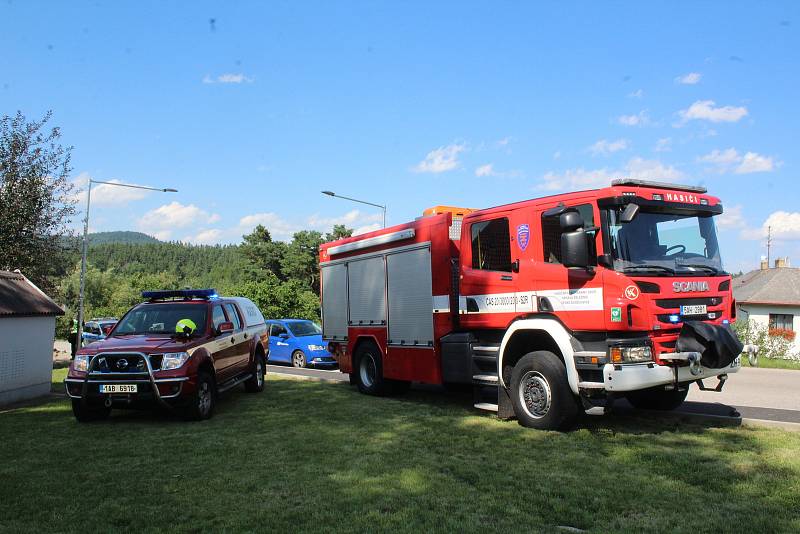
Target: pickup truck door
{"x":224,"y":346}
{"x":241,"y":340}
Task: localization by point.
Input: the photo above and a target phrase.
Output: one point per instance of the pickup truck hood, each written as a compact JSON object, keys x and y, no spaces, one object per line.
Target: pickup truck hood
{"x":147,"y":344}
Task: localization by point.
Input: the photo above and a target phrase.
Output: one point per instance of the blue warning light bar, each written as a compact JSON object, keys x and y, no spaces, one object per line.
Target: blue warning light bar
{"x":205,"y":294}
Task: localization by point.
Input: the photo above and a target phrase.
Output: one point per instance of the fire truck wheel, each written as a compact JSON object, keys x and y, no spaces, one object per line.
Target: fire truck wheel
{"x":255,"y":384}
{"x":369,"y":370}
{"x":657,"y":398}
{"x":87,"y":414}
{"x":541,"y":394}
{"x":298,"y":359}
{"x":202,"y":401}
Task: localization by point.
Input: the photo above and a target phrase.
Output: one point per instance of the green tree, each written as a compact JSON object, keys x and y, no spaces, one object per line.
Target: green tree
{"x":339,"y":231}
{"x":301,"y":261}
{"x":278,"y":299}
{"x":264,"y":254}
{"x":36,"y":202}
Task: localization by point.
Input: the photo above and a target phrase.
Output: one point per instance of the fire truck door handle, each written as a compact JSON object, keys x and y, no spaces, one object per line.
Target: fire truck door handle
{"x":233,"y":340}
{"x":507,"y":277}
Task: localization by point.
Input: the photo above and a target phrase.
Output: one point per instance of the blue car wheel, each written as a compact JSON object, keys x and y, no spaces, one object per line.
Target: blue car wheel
{"x":298,"y":359}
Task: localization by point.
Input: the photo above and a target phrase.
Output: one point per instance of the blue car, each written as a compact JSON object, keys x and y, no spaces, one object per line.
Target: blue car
{"x":299,"y":342}
{"x":97,"y":329}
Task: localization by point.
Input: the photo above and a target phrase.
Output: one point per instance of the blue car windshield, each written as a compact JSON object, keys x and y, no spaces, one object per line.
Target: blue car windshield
{"x":162,"y":319}
{"x":304,"y":328}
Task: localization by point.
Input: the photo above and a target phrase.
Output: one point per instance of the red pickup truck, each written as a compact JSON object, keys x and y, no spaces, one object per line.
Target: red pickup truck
{"x":179,"y":350}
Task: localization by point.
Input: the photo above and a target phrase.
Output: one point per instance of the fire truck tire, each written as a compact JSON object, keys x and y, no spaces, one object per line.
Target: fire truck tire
{"x":87,"y":414}
{"x":256,"y":383}
{"x":540,"y":392}
{"x":657,"y":398}
{"x":202,"y":401}
{"x":369,"y":370}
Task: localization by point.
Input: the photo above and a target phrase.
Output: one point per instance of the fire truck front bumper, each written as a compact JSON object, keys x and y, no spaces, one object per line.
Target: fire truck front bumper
{"x":636,"y":376}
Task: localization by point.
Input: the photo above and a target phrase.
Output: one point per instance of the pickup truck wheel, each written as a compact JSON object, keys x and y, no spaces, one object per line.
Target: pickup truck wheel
{"x":87,"y":414}
{"x":540,"y":392}
{"x":202,"y":401}
{"x":657,"y":398}
{"x":369,"y":370}
{"x":255,"y":384}
{"x":298,"y":359}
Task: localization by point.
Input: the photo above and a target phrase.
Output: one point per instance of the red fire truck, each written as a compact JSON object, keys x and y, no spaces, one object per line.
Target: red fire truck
{"x":548,"y":307}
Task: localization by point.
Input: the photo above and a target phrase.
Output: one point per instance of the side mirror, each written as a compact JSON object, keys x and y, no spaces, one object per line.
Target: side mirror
{"x":570,"y":221}
{"x":225,"y":328}
{"x":575,"y":249}
{"x":283,"y":336}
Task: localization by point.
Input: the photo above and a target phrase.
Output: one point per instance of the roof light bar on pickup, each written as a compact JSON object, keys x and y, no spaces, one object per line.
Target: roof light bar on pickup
{"x":180,"y":294}
{"x":372,"y":242}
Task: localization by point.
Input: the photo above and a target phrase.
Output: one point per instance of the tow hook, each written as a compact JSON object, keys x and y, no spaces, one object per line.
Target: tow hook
{"x":752,"y":354}
{"x":108,"y":402}
{"x":694,"y":364}
{"x":720,"y":384}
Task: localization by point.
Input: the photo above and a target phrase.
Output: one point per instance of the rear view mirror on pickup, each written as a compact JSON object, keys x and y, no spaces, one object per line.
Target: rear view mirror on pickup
{"x":629,"y":213}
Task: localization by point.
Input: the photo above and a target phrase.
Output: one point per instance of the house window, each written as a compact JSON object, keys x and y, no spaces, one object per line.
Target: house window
{"x":781,"y":321}
{"x":491,"y":245}
{"x":551,"y":234}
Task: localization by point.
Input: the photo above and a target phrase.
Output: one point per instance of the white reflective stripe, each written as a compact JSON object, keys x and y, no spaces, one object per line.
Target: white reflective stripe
{"x":441,"y":304}
{"x":583,"y":299}
{"x":521,"y":301}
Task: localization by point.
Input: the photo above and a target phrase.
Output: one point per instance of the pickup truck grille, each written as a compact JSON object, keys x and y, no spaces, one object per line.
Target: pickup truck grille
{"x":119,"y":362}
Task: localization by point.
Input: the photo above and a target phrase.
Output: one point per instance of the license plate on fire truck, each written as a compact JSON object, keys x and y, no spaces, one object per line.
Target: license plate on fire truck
{"x":698,"y":309}
{"x":118,"y":388}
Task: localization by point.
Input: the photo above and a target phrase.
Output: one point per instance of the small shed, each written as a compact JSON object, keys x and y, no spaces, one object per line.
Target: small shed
{"x":27,"y":329}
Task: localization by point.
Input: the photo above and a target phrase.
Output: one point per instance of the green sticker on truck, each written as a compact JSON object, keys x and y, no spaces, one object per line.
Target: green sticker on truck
{"x":616,"y":315}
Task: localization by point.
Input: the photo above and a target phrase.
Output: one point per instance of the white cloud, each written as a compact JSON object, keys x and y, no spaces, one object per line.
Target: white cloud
{"x":504,"y":141}
{"x":282,"y":229}
{"x":164,"y":220}
{"x":705,"y":110}
{"x":557,"y":154}
{"x":442,"y":159}
{"x":730,"y":160}
{"x":782,"y":225}
{"x":689,"y":79}
{"x":636,"y":94}
{"x":640,"y":119}
{"x":663,"y":145}
{"x":731,"y":219}
{"x":227,"y":78}
{"x":367,"y":228}
{"x":206,"y":237}
{"x":107,"y":195}
{"x":485,"y":170}
{"x":605,"y":147}
{"x":278,"y":227}
{"x":752,"y":162}
{"x":636,"y":168}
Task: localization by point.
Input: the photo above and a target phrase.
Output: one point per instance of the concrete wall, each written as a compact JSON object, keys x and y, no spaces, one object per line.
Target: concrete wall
{"x":760,"y":315}
{"x":26,"y":357}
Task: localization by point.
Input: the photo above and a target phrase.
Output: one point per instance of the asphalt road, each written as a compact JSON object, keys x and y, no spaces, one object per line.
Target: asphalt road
{"x":762,"y":394}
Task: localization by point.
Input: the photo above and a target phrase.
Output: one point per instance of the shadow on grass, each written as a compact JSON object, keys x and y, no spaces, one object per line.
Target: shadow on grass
{"x":306,"y":456}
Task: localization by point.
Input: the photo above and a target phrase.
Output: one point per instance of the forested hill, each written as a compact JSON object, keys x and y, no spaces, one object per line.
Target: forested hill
{"x":101,"y":238}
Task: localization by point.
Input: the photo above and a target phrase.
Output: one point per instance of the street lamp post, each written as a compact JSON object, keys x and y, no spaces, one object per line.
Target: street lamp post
{"x":79,"y":341}
{"x":332,"y":194}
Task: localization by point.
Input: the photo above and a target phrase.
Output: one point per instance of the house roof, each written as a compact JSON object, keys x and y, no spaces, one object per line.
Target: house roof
{"x":19,"y":297}
{"x":779,"y":286}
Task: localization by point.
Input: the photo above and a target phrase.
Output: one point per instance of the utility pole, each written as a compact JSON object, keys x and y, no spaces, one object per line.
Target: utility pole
{"x":769,"y":243}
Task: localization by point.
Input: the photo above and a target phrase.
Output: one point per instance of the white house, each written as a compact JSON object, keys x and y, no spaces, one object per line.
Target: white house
{"x":770,"y":297}
{"x":27,"y":329}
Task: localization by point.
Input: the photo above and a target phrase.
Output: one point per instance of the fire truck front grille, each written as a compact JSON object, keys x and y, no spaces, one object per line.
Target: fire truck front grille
{"x":669,"y":304}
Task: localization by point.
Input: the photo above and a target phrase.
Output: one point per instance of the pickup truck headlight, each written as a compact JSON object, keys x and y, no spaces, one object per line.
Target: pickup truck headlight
{"x":316,"y":348}
{"x":173,"y":360}
{"x":638,"y":354}
{"x":81,"y":362}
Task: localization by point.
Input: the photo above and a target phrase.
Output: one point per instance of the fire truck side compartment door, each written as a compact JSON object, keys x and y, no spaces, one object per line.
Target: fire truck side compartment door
{"x":367,"y":292}
{"x":410,"y":298}
{"x":334,"y":301}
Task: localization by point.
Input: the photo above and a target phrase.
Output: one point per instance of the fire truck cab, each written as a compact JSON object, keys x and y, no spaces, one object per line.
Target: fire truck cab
{"x":547,"y":307}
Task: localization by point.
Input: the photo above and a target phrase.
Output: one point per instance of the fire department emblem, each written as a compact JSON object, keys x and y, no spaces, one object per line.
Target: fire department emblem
{"x":632,"y":292}
{"x":523,"y":236}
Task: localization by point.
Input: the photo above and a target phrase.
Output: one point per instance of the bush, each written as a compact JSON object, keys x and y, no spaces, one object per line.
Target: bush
{"x":772,"y":343}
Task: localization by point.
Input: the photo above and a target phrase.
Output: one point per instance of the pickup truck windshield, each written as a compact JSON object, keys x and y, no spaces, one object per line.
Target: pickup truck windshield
{"x":161,"y":319}
{"x":665,"y":243}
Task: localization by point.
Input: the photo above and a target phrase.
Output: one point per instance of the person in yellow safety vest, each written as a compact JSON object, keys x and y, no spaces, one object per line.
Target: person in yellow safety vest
{"x":73,"y":337}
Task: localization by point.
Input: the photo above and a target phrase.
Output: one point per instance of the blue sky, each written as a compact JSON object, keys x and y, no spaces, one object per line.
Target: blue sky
{"x":251,"y":109}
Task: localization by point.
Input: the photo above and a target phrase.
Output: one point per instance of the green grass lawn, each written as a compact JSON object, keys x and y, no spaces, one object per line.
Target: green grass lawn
{"x":310,"y":456}
{"x":773,"y":363}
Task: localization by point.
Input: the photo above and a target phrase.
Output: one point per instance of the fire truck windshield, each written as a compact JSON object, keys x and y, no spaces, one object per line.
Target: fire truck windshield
{"x":669,"y":244}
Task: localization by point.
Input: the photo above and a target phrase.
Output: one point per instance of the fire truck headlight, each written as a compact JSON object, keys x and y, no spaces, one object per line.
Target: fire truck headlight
{"x":173,"y":360}
{"x":631,"y":354}
{"x":81,"y":363}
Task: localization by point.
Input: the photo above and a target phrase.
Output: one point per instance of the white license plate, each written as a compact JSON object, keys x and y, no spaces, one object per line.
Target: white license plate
{"x":118,"y":388}
{"x":699,"y":309}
